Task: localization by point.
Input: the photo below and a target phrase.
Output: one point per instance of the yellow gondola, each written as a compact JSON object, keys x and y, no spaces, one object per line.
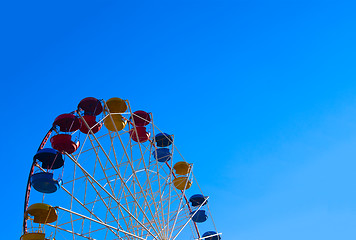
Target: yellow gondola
{"x":182,"y":183}
{"x":116,"y":105}
{"x":182,"y":168}
{"x":33,"y":236}
{"x":116,"y":121}
{"x":42,"y":213}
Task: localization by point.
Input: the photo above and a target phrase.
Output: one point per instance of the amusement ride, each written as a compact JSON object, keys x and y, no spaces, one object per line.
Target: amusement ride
{"x":104,"y":171}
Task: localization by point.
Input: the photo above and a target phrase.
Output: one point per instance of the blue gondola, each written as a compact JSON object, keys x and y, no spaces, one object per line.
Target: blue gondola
{"x":211,"y":233}
{"x":197,"y":200}
{"x":163,"y":140}
{"x":162,"y":154}
{"x":50,"y":158}
{"x":44,"y":182}
{"x":199,"y":216}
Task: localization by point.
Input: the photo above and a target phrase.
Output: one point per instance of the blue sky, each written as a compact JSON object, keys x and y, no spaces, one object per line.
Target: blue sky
{"x":259,"y":94}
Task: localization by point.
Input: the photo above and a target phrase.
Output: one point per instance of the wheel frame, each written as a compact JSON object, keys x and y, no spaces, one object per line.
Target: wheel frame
{"x":70,"y":156}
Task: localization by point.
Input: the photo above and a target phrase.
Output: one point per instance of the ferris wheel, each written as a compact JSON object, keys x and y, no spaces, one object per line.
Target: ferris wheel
{"x":104,"y":171}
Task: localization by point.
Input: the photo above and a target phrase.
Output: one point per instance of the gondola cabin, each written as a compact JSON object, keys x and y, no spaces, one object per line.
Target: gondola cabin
{"x":116,"y":105}
{"x":182,"y":183}
{"x":182,"y":168}
{"x":64,"y":143}
{"x":91,"y":106}
{"x":139,"y":134}
{"x":42,"y":213}
{"x":67,"y":122}
{"x":163,"y":140}
{"x":43,"y":182}
{"x":33,"y":236}
{"x":199,"y":216}
{"x":114,"y":122}
{"x":162,"y":154}
{"x":140,"y":118}
{"x":198,"y":199}
{"x":211,"y":235}
{"x":89,"y":121}
{"x":50,"y":158}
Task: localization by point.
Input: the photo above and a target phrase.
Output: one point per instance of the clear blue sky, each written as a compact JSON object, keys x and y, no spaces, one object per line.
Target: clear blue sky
{"x":261,"y":96}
